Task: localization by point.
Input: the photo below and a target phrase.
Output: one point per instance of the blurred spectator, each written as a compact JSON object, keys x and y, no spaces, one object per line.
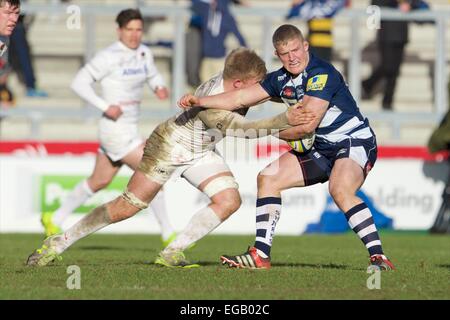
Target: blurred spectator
{"x":9,"y":14}
{"x":20,"y":57}
{"x":216,"y":22}
{"x":194,"y":48}
{"x":319,"y":14}
{"x":391,"y":39}
{"x":440,"y":141}
{"x":6,"y":96}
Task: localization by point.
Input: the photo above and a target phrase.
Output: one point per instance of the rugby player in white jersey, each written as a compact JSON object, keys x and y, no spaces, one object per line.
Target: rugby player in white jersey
{"x":122,"y":69}
{"x":184,"y":145}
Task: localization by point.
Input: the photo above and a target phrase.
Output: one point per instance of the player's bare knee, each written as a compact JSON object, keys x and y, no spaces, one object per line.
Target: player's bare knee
{"x":229,"y":202}
{"x":99,"y":183}
{"x":266,"y":182}
{"x":261,"y":180}
{"x":236,"y":202}
{"x":337,"y":193}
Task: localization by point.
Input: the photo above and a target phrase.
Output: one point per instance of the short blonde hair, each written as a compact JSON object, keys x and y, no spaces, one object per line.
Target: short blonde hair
{"x":244,"y":64}
{"x":285,"y":33}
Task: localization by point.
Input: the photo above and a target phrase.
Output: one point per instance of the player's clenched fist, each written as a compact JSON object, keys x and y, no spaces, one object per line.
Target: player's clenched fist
{"x":188,"y":100}
{"x":113,"y":112}
{"x":162,"y":93}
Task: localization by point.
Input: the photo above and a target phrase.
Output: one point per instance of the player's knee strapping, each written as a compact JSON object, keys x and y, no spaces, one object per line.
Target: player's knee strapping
{"x":133,"y":200}
{"x":219,"y":184}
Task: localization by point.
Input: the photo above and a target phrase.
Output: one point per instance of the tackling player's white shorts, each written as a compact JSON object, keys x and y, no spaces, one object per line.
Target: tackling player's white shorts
{"x":160,"y":164}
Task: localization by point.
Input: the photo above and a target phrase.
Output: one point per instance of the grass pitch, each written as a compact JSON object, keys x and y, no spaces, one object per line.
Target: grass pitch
{"x":303,"y":267}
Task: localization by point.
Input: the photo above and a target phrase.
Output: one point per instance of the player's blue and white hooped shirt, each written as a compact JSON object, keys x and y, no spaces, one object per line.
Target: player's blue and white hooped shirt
{"x":320,"y":79}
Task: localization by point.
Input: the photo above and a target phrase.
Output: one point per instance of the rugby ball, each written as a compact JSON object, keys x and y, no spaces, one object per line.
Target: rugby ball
{"x":304,"y":144}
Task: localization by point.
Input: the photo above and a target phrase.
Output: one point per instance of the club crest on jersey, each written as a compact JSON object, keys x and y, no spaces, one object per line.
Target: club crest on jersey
{"x":317,"y":83}
{"x":288,"y":92}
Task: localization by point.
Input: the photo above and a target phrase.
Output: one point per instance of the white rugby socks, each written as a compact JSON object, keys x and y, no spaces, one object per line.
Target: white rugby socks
{"x":202,"y":223}
{"x":79,"y":195}
{"x":158,"y":206}
{"x":94,"y":221}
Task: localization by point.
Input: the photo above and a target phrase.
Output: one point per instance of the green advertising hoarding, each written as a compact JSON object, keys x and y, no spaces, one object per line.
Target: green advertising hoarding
{"x":54,"y":189}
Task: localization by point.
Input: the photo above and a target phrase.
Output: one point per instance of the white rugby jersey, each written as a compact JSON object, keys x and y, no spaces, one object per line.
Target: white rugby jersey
{"x":122,"y":73}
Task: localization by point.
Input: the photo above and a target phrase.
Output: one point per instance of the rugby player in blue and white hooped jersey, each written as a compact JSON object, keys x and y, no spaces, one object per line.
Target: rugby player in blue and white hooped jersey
{"x":123,"y":69}
{"x":344,"y":149}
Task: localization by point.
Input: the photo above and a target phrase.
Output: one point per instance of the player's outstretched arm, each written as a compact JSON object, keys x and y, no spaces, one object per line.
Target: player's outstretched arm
{"x":231,"y":100}
{"x":234,"y":124}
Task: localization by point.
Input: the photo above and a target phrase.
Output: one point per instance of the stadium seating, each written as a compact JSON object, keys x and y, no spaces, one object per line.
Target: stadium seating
{"x":56,"y":61}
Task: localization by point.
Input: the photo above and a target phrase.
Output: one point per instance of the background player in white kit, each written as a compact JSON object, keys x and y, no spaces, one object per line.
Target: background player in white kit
{"x":122,"y":70}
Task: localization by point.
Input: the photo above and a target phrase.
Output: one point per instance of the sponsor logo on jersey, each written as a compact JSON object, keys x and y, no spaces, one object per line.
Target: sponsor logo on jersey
{"x":133,"y":71}
{"x":317,"y":83}
{"x":281,"y":78}
{"x":342,"y":151}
